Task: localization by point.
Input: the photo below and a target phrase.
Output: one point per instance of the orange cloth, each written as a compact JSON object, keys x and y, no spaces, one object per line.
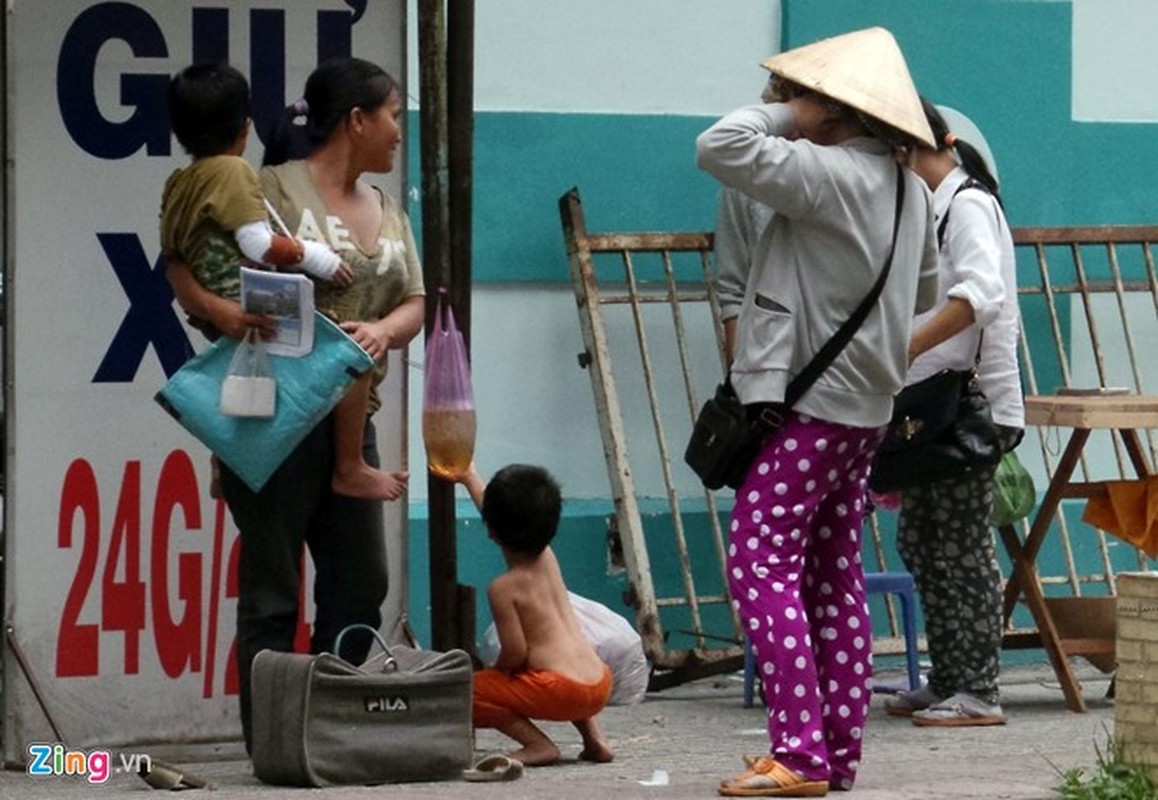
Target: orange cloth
{"x":1129,"y":510}
{"x":501,"y":698}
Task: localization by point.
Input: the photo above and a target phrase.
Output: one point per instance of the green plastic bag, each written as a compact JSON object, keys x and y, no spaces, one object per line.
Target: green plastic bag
{"x":1014,"y":494}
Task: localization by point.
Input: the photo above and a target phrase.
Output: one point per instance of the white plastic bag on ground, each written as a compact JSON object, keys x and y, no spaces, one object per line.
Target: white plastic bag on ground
{"x":614,"y":640}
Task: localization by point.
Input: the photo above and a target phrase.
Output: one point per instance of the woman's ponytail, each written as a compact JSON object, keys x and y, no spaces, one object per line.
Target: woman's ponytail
{"x":971,"y":160}
{"x":287,"y":139}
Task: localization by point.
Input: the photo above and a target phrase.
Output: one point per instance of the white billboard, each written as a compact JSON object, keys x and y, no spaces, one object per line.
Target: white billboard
{"x":120,"y":570}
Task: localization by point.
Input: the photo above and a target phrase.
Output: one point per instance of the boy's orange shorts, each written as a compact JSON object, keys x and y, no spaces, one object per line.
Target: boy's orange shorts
{"x":501,"y":698}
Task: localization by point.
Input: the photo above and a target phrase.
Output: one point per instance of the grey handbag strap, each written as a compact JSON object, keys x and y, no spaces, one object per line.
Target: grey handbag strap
{"x":844,"y":334}
{"x":389,"y":663}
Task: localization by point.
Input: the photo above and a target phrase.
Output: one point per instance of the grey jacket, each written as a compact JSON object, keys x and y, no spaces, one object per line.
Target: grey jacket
{"x":817,"y":259}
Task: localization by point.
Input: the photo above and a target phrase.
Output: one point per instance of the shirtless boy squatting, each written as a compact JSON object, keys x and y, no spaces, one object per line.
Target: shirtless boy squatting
{"x":546,"y":668}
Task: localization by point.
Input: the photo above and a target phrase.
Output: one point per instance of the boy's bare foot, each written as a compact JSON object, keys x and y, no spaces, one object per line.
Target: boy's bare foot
{"x":536,"y":755}
{"x":368,"y":483}
{"x":537,"y":748}
{"x":595,"y":746}
{"x":598,"y":752}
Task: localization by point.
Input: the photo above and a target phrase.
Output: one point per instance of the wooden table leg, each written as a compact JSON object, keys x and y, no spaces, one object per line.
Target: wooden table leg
{"x":1024,"y":578}
{"x":1134,"y":450}
{"x":1045,"y":513}
{"x":1016,"y":554}
{"x":1026,"y":575}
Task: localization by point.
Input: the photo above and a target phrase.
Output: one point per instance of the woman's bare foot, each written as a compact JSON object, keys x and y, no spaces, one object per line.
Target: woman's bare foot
{"x":367,"y":483}
{"x":595,"y":746}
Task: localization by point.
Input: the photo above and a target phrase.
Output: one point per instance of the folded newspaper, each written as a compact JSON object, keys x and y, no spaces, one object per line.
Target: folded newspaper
{"x":289,"y":299}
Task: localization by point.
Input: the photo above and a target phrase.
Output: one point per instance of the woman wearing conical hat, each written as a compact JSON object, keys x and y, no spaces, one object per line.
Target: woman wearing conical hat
{"x":822,"y":158}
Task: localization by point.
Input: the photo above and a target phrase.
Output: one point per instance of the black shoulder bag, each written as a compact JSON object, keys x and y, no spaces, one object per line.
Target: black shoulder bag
{"x":727,"y":436}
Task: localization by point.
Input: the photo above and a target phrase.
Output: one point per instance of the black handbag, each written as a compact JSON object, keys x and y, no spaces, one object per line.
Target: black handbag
{"x":941,"y":427}
{"x":727,"y":436}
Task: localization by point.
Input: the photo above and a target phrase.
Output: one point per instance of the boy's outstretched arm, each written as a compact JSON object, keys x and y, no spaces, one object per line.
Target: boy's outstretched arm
{"x":474,"y":485}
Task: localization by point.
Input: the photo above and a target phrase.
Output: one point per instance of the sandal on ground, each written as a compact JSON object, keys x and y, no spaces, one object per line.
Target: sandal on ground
{"x":767,"y":777}
{"x":494,"y":768}
{"x":903,"y":704}
{"x":960,"y":710}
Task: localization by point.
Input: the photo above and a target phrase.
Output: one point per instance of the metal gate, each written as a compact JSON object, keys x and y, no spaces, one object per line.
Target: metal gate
{"x":668,"y":273}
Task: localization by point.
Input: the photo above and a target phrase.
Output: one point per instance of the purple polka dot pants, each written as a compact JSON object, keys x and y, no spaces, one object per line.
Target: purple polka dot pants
{"x":797,"y":583}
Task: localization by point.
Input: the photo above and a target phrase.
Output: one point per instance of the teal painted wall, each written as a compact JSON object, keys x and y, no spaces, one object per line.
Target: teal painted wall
{"x":634,"y":171}
{"x":1007,"y":65}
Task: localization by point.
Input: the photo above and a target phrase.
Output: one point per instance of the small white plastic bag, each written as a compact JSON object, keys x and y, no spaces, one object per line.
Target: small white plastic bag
{"x":249,"y":388}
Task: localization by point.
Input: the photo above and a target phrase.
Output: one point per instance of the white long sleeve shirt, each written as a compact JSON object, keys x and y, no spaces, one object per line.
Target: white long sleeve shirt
{"x":978,"y":265}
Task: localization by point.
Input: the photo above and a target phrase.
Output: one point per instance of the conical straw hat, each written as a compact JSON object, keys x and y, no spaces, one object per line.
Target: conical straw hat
{"x":863,"y":69}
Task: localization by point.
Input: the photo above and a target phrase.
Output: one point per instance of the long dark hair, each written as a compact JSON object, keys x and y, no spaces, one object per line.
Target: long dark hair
{"x":333,"y":89}
{"x":971,"y":160}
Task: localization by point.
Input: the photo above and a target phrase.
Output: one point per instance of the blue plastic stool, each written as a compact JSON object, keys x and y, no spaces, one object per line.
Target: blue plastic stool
{"x":897,"y":583}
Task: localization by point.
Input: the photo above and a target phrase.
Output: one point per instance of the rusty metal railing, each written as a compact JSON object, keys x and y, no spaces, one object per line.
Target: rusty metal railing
{"x":638,"y":275}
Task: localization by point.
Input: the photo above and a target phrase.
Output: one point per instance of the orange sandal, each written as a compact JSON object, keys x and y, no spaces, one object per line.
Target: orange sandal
{"x":767,"y":777}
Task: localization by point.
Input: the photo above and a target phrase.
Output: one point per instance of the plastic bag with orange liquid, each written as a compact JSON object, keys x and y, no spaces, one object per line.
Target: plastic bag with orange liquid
{"x":448,"y":414}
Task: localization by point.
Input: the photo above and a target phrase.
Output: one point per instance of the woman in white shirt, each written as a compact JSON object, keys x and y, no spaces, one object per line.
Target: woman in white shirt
{"x":943,"y":533}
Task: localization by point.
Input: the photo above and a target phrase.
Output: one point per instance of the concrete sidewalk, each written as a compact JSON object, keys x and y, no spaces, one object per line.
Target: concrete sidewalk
{"x":679,"y":743}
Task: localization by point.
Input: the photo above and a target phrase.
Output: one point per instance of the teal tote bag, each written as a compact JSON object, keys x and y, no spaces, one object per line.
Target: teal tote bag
{"x":308,"y":388}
